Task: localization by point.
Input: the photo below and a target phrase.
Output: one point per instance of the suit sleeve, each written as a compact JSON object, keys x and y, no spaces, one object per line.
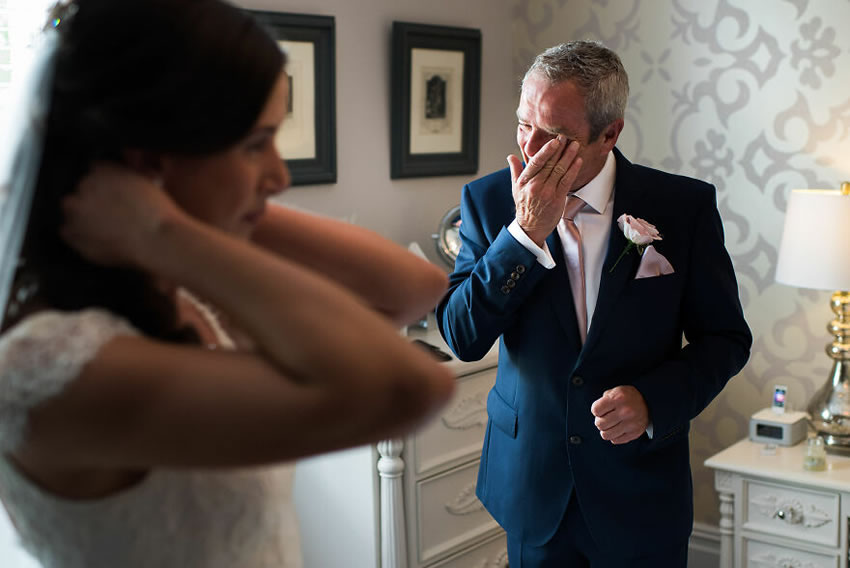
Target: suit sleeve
{"x":718,"y":338}
{"x":493,"y":275}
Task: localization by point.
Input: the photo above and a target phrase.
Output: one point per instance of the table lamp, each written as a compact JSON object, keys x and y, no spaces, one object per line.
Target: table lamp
{"x":815,"y":253}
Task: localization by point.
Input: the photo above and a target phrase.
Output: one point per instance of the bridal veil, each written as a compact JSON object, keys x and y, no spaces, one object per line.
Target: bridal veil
{"x":20,"y":156}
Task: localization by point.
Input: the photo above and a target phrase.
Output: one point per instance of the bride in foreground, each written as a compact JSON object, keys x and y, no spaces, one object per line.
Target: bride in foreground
{"x":170,"y":337}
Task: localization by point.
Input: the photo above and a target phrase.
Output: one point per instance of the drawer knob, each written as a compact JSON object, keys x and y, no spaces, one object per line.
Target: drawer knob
{"x":790,"y":515}
{"x":791,"y":511}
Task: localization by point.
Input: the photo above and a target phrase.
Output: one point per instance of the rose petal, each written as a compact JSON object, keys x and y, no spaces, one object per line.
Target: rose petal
{"x":638,"y":230}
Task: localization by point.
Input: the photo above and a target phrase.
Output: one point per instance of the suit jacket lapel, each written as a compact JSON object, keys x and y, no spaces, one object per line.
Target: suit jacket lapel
{"x":627,"y":196}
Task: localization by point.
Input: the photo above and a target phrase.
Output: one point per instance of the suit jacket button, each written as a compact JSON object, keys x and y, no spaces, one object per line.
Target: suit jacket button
{"x":510,"y":283}
{"x":514,"y":275}
{"x":575,"y":440}
{"x":520,"y":268}
{"x":578,"y":381}
{"x":505,"y":290}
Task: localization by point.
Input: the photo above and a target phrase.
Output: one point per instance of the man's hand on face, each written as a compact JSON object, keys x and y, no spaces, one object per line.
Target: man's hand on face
{"x":540,"y":190}
{"x":621,"y":414}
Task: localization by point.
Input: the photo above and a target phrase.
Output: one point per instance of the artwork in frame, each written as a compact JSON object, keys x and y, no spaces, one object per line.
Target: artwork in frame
{"x":308,"y":138}
{"x":436,"y":87}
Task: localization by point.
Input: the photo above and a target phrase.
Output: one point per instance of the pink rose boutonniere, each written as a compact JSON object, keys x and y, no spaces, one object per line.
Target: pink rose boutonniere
{"x":638,"y":233}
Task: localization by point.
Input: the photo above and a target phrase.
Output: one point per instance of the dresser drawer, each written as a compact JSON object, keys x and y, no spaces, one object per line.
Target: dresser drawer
{"x":764,"y":555}
{"x":456,"y":434}
{"x":449,"y":516}
{"x":804,"y":514}
{"x":489,"y":554}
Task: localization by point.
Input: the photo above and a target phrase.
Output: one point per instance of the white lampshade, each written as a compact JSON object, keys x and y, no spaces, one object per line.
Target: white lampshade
{"x":815,"y":247}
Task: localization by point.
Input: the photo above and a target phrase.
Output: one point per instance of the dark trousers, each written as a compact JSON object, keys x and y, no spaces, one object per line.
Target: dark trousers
{"x":573,"y":547}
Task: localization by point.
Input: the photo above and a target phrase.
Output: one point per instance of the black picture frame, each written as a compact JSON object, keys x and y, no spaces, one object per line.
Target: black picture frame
{"x":427,"y":137}
{"x":311,"y":57}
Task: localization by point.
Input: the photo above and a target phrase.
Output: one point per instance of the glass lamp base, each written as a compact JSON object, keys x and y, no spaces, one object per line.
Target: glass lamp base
{"x":829,"y":408}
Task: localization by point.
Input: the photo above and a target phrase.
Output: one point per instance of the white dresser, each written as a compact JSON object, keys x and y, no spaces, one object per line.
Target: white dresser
{"x":407,"y":503}
{"x":775,"y":514}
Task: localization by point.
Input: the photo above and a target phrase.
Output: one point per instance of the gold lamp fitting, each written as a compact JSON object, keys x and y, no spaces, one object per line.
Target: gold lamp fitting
{"x":845,"y":188}
{"x":830,"y":407}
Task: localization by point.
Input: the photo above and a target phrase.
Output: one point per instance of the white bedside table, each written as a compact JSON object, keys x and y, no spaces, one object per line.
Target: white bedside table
{"x":407,"y":502}
{"x":775,"y":514}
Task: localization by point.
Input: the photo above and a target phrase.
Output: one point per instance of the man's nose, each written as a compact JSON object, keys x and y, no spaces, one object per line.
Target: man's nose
{"x":536,"y":139}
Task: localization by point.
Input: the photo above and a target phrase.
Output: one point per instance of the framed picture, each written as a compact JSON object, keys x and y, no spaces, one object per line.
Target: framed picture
{"x":436,"y":90}
{"x":308,"y":138}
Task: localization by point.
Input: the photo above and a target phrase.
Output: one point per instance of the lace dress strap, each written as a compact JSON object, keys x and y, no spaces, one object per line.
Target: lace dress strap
{"x":41,"y":355}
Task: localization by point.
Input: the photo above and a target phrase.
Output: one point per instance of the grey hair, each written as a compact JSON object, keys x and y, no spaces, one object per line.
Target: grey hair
{"x":596,"y":70}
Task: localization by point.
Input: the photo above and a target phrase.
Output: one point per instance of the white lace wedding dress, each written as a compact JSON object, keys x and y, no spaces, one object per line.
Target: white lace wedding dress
{"x":171,"y":519}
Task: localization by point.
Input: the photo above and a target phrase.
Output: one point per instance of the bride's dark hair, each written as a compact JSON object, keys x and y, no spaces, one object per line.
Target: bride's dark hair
{"x":186,"y":77}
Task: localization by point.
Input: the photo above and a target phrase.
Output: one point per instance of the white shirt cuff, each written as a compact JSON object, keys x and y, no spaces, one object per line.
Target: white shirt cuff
{"x":542,"y":254}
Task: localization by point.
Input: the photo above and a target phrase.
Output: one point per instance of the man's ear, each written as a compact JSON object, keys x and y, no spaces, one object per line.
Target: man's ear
{"x":611,"y":134}
{"x":144,"y":162}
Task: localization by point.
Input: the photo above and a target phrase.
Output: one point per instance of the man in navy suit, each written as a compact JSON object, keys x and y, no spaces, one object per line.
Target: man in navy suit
{"x":585,"y":459}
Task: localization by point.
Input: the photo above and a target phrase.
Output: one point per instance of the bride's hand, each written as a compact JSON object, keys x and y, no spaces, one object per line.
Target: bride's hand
{"x":113,"y":213}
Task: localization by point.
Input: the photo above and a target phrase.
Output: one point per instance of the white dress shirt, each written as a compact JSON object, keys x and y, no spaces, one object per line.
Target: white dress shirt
{"x":594,"y":224}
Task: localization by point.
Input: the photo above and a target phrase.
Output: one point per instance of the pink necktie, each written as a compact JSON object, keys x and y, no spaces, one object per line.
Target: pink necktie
{"x":575,"y":261}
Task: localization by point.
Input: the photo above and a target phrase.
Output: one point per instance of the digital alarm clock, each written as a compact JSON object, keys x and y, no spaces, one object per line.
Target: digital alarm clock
{"x":785,"y":429}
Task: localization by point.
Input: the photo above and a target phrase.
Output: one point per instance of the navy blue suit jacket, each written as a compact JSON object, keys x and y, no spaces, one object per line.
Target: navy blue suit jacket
{"x":541,"y":442}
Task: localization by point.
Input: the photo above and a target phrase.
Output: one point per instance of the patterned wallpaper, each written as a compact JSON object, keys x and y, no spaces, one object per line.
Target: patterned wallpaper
{"x":755,"y":98}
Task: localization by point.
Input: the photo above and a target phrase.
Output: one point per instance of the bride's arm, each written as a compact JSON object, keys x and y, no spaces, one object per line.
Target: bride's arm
{"x":329,"y":373}
{"x":141,"y":404}
{"x":303,"y":322}
{"x":388,"y":277}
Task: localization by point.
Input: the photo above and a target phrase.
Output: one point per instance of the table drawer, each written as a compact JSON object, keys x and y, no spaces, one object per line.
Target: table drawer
{"x":489,"y":554}
{"x":804,"y":514}
{"x":449,"y":516}
{"x":763,"y":555}
{"x":456,"y":435}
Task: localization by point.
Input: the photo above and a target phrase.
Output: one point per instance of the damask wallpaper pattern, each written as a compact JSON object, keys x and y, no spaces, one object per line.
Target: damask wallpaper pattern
{"x":754,"y":97}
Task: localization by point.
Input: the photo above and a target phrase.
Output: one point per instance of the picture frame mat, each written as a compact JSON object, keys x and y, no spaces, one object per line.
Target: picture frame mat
{"x":296,"y":139}
{"x":435,"y":136}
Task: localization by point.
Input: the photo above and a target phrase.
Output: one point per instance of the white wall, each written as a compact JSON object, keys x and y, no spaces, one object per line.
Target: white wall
{"x":337,"y":494}
{"x":409,"y":209}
